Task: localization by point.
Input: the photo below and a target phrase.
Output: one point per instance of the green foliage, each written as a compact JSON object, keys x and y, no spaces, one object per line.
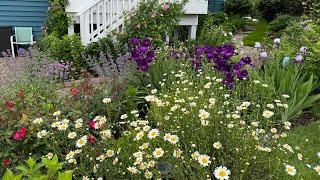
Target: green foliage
{"x":57,"y":20}
{"x":213,"y":34}
{"x":258,"y":35}
{"x":236,"y":23}
{"x":105,"y":45}
{"x":67,"y":48}
{"x":293,"y":82}
{"x":269,"y":9}
{"x":33,"y":170}
{"x":281,"y":23}
{"x":239,"y":7}
{"x":152,"y":20}
{"x":305,"y":137}
{"x":312,"y":9}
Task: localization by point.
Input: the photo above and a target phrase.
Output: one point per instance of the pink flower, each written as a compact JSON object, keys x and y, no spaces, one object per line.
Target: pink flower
{"x":92,"y":124}
{"x":91,"y":139}
{"x":165,"y":7}
{"x":20,"y":134}
{"x":10,"y":105}
{"x":74,"y":91}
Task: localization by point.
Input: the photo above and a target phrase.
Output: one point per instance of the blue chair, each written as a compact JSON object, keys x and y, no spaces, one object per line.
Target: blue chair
{"x":23,"y":36}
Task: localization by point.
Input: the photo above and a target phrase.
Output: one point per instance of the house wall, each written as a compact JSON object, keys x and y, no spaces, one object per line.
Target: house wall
{"x":26,"y":13}
{"x":215,"y":5}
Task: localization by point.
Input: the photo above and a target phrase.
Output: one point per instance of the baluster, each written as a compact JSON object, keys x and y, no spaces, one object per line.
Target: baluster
{"x":111,"y":13}
{"x":98,"y":17}
{"x":91,"y":24}
{"x":104,"y":15}
{"x":117,"y":9}
{"x":129,"y":5}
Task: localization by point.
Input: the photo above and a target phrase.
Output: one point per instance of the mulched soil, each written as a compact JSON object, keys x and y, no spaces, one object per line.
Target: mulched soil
{"x":304,"y":119}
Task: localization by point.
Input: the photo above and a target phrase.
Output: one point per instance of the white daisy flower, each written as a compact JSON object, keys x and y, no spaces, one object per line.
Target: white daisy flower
{"x":291,"y":170}
{"x":110,"y":153}
{"x":81,"y":142}
{"x":217,"y":145}
{"x":267,"y":114}
{"x":106,"y":100}
{"x":153,"y":133}
{"x":203,"y":114}
{"x":124,"y":116}
{"x":204,"y":160}
{"x":37,"y":121}
{"x":222,"y":173}
{"x":158,"y":152}
{"x":72,"y":135}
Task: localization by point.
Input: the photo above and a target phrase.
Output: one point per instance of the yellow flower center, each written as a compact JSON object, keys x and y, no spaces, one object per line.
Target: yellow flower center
{"x":204,"y":161}
{"x":222,"y":173}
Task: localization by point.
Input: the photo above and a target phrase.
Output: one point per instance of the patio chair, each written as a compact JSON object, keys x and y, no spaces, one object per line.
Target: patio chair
{"x":23,"y":36}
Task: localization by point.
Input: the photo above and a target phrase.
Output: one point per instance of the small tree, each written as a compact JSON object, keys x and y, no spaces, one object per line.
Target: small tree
{"x":57,"y":20}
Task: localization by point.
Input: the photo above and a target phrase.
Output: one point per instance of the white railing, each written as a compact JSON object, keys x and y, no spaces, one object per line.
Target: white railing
{"x":102,"y":17}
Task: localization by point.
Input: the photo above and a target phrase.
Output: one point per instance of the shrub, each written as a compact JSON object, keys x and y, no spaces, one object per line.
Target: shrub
{"x":212,"y":34}
{"x":57,"y":20}
{"x":152,"y":19}
{"x":281,"y":23}
{"x":68,"y":48}
{"x":239,"y":7}
{"x":236,"y":23}
{"x":271,"y":8}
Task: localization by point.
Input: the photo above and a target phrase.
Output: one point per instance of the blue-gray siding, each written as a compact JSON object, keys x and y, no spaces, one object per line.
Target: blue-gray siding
{"x":216,"y":5}
{"x":25,"y":13}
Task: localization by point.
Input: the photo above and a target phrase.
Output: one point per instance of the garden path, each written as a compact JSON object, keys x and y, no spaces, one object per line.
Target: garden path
{"x":245,"y":50}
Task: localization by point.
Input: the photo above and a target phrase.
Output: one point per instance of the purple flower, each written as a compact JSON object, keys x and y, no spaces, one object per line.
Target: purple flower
{"x":298,"y":59}
{"x":142,"y":53}
{"x":21,"y":52}
{"x":220,"y":57}
{"x":134,"y":41}
{"x":146,"y":42}
{"x":196,"y":65}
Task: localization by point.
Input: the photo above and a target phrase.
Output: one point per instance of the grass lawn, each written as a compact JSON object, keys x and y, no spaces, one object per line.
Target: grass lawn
{"x":307,"y":138}
{"x":258,"y":35}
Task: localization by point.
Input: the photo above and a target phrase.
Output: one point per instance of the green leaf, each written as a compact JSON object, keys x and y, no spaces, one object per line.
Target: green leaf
{"x":10,"y":176}
{"x":65,"y":176}
{"x":31,"y":163}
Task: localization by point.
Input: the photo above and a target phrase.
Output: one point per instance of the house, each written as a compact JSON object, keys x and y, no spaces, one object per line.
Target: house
{"x":23,"y":13}
{"x":86,"y":14}
{"x":215,"y":5}
{"x":97,"y":18}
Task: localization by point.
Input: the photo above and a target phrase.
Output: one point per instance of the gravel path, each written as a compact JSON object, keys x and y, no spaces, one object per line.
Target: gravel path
{"x":246,"y":50}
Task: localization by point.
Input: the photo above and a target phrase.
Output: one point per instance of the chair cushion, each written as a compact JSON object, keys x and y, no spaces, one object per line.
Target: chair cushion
{"x":23,"y":34}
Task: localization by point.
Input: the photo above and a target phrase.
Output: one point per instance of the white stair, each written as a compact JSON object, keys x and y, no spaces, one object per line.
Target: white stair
{"x":97,"y":18}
